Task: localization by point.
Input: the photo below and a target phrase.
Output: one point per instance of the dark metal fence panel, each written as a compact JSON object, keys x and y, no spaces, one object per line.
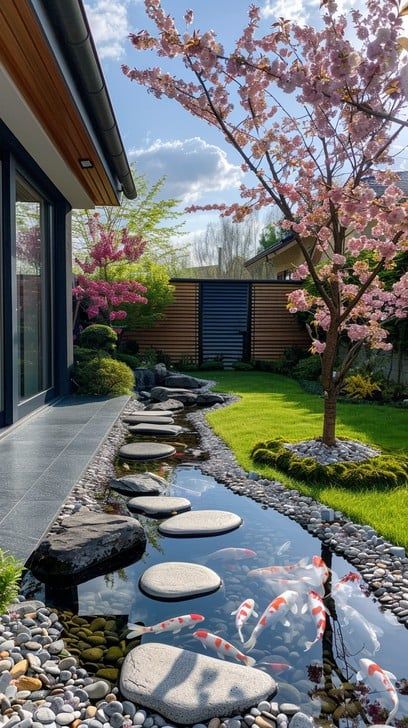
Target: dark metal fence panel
{"x":224,"y":309}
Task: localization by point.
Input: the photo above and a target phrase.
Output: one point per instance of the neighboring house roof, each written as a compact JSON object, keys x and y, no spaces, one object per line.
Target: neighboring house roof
{"x":379,"y":189}
{"x":271,"y":251}
{"x":55,"y":101}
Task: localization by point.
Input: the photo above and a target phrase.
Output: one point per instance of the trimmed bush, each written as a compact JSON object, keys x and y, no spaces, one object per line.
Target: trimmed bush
{"x":104,"y":375}
{"x":212,"y":365}
{"x":98,"y":336}
{"x":358,"y":386}
{"x":382,"y":471}
{"x":10,"y":574}
{"x":243,"y":366}
{"x":310,"y":368}
{"x":81,"y":354}
{"x":276,"y":366}
{"x":132,"y":361}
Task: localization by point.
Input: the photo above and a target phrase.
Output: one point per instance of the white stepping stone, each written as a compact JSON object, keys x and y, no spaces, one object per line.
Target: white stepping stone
{"x":146,"y":451}
{"x":200,"y":523}
{"x":178,"y":580}
{"x":188,"y":688}
{"x":154,"y":419}
{"x":152,"y":413}
{"x":159,"y":430}
{"x":159,"y":505}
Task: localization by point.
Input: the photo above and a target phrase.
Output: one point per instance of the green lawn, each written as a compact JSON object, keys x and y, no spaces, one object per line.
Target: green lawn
{"x":273,"y":406}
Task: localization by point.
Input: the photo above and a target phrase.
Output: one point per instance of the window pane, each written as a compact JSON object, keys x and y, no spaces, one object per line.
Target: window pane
{"x":33,"y":283}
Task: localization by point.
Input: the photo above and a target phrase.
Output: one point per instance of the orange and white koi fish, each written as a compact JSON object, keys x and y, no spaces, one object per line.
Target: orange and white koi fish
{"x":318,"y":570}
{"x":243,"y":613}
{"x":276,"y":611}
{"x":222,"y":647}
{"x":232,"y":554}
{"x":279,"y":570}
{"x":174,"y":624}
{"x":379,"y":680}
{"x":318,"y":612}
{"x":345,"y":587}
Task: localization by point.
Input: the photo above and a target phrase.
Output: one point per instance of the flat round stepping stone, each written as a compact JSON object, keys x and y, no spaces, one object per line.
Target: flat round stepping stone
{"x":186,"y":687}
{"x":146,"y":451}
{"x":154,"y":419}
{"x":158,"y":430}
{"x":172,"y":405}
{"x":179,"y":580}
{"x":159,"y":505}
{"x":200,"y":523}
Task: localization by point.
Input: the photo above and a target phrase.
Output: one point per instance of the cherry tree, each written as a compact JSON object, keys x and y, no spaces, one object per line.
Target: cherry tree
{"x":313,"y":115}
{"x":96,"y":291}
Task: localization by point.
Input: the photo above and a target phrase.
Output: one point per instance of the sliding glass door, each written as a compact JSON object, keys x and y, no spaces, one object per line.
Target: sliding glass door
{"x":33,"y":291}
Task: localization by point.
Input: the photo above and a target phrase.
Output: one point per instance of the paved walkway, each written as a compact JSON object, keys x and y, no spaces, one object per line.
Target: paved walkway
{"x":40,"y":462}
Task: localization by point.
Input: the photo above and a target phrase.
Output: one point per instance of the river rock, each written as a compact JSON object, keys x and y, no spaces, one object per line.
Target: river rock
{"x":140,"y":484}
{"x":201,"y":523}
{"x":183,"y":381}
{"x":207,"y":399}
{"x":301,"y":720}
{"x":149,"y":418}
{"x":145,"y":428}
{"x":172,"y":405}
{"x":84,"y":542}
{"x":163,"y":394}
{"x":179,"y":579}
{"x":158,"y":505}
{"x":146,"y":451}
{"x":186,"y":687}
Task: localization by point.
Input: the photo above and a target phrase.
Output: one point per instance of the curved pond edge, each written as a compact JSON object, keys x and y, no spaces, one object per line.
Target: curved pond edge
{"x":380,"y":562}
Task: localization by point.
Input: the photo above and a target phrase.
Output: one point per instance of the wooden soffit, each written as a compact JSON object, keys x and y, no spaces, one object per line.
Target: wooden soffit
{"x":32,"y":66}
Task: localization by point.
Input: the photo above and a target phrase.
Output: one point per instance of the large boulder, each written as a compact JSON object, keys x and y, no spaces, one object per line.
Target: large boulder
{"x":186,"y":687}
{"x":163,"y":394}
{"x":139,"y":485}
{"x":183,"y":381}
{"x":206,"y":399}
{"x":160,"y":373}
{"x":87,"y":544}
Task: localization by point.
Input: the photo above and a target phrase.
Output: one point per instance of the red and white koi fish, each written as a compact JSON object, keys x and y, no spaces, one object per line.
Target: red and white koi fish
{"x":318,"y":612}
{"x":243,"y":613}
{"x":279,"y":570}
{"x":222,"y":647}
{"x":379,"y":680}
{"x":174,"y":624}
{"x":318,"y":571}
{"x":276,"y":611}
{"x":345,"y":587}
{"x":275,"y":667}
{"x":232,"y":554}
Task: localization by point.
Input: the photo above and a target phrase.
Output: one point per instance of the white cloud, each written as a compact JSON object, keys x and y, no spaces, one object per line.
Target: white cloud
{"x":299,"y":10}
{"x":109,"y":26}
{"x":192,"y":167}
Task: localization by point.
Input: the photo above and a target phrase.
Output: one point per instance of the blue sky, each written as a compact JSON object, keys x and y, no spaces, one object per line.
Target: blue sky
{"x":159,"y":135}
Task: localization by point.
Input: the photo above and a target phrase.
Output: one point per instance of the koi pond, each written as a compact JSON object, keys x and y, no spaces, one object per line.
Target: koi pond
{"x":321,"y":679}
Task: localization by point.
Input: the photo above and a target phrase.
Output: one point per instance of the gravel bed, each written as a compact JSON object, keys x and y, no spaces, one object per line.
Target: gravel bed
{"x":383,"y":565}
{"x":342,"y":451}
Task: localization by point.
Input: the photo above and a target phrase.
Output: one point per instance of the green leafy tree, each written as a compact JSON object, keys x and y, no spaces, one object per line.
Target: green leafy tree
{"x":155,"y":278}
{"x":268,"y":237}
{"x":156,"y":220}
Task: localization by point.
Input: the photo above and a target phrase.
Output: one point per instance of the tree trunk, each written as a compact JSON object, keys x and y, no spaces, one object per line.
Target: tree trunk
{"x":329,"y":420}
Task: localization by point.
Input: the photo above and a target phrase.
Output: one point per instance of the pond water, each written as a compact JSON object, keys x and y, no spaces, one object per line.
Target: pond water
{"x":319,"y":679}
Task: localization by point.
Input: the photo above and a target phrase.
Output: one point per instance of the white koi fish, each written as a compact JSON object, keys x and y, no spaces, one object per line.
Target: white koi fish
{"x":365,"y":630}
{"x":379,"y":680}
{"x":174,"y":624}
{"x":232,"y":554}
{"x":243,"y":613}
{"x":275,"y":611}
{"x":279,"y":570}
{"x":318,"y":612}
{"x":222,"y":647}
{"x":285,"y":547}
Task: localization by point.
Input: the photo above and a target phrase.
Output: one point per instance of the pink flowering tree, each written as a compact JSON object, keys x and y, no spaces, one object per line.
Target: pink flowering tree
{"x":100,"y":295}
{"x":313,"y":115}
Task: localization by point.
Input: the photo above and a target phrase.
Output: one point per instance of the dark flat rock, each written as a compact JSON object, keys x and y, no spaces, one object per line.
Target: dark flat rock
{"x":146,"y":451}
{"x":150,"y":418}
{"x":145,"y":428}
{"x":141,"y":484}
{"x":157,"y":505}
{"x":87,"y":542}
{"x":172,"y":405}
{"x":183,"y":381}
{"x":207,"y":399}
{"x":186,"y":687}
{"x":164,"y":394}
